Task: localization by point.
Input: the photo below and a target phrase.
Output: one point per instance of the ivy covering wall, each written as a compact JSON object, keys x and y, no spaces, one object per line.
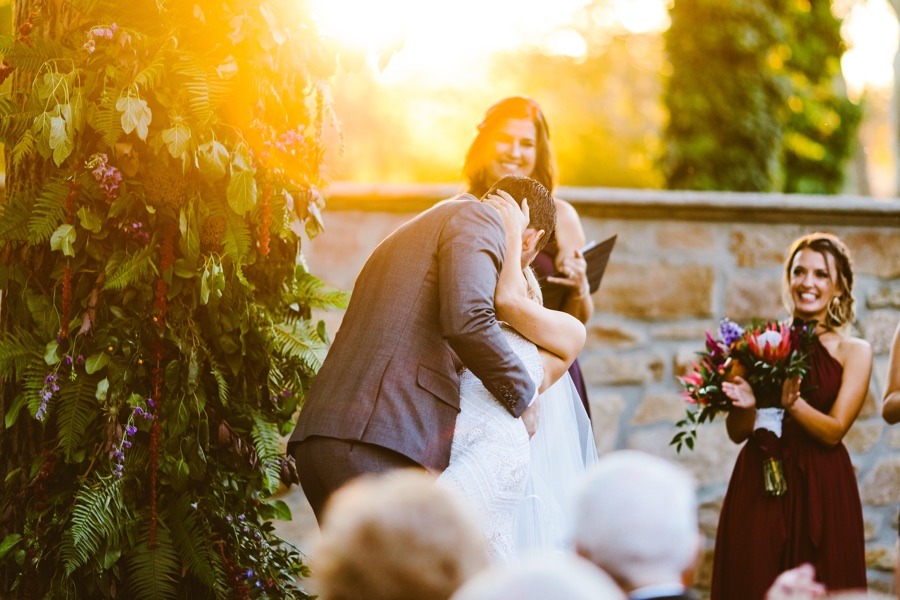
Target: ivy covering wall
{"x":163,"y":159}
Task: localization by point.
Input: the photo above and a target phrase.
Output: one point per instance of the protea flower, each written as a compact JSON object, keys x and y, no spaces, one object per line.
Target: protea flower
{"x":772,"y":346}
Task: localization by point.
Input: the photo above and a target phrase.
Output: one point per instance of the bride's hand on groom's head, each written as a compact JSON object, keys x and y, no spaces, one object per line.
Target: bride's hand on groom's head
{"x":515,"y":218}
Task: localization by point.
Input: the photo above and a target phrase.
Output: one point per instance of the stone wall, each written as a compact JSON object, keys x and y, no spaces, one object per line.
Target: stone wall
{"x":682,"y":261}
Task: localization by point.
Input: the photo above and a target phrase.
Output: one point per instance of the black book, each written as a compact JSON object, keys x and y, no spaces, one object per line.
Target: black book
{"x":596,"y":255}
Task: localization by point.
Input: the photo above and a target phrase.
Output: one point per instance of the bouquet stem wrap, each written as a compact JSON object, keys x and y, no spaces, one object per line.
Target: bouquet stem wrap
{"x":769,"y":442}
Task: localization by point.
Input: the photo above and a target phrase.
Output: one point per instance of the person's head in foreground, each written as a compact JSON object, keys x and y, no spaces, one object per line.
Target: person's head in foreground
{"x":554,"y":577}
{"x":818,"y":280}
{"x":541,"y":211}
{"x":636,"y":518}
{"x":396,"y":536}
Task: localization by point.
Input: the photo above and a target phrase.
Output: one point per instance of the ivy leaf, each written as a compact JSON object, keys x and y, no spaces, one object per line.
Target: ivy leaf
{"x":63,"y":239}
{"x":8,"y":543}
{"x":89,"y":220}
{"x":177,"y":138}
{"x":41,"y":130}
{"x":51,"y":353}
{"x":95,"y":362}
{"x":212,"y":158}
{"x":241,"y":191}
{"x":136,"y":115}
{"x":102,"y":390}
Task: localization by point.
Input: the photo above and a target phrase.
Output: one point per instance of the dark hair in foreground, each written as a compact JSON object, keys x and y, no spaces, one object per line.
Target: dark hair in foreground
{"x":541,"y":207}
{"x":481,"y":152}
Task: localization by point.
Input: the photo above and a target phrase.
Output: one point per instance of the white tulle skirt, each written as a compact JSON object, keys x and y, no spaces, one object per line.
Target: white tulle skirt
{"x":561,"y":450}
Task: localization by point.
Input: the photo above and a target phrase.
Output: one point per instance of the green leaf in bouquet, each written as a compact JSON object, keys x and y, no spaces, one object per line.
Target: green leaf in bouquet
{"x":51,"y":353}
{"x":88,"y":220}
{"x":95,"y":362}
{"x":135,"y":115}
{"x":212,"y":160}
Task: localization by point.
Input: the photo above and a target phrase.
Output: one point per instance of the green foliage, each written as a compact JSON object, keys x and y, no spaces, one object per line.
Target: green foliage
{"x":821,"y":126}
{"x":755,"y":103}
{"x":723,"y":97}
{"x":163,"y":335}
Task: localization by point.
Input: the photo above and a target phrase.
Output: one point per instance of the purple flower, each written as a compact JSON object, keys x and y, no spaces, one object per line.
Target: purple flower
{"x":126,"y":444}
{"x":68,"y":360}
{"x":151,"y":403}
{"x":248,"y":574}
{"x":228,"y":518}
{"x":106,"y":175}
{"x":729,"y":331}
{"x":130,"y":430}
{"x":138,"y":411}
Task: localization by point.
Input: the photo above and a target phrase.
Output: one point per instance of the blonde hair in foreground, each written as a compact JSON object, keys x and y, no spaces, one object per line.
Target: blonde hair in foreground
{"x":398,"y":536}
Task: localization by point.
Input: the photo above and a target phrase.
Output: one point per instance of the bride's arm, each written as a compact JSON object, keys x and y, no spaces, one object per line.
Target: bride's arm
{"x":560,"y":335}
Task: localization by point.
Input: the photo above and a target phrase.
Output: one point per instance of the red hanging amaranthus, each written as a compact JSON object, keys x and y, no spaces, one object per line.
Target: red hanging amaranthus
{"x":66,"y":315}
{"x":265,"y":218}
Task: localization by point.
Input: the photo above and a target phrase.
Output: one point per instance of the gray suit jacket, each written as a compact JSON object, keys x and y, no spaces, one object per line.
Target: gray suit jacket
{"x":424,"y":297}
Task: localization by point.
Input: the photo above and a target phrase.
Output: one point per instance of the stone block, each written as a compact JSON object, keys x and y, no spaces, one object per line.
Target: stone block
{"x":712,"y":460}
{"x":754,"y":295}
{"x":871,"y":405}
{"x":882,"y":558}
{"x":693,"y":331}
{"x":605,"y":332}
{"x":761,"y":246}
{"x":338,"y":254}
{"x":875,"y":252}
{"x":881,"y":487}
{"x":863,"y":435}
{"x":708,"y":517}
{"x":684,"y":357}
{"x":703,"y":576}
{"x":893,"y":438}
{"x":635,"y":368}
{"x":658,"y":291}
{"x":656,"y":407}
{"x":687,"y":235}
{"x":606,"y":411}
{"x":878,"y":329}
{"x":884,"y":297}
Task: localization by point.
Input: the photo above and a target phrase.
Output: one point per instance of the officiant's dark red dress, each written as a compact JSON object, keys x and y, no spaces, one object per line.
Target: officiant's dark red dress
{"x":818,"y":520}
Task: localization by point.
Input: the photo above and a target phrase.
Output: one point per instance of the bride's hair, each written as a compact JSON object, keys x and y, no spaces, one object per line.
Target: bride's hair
{"x":534,"y":288}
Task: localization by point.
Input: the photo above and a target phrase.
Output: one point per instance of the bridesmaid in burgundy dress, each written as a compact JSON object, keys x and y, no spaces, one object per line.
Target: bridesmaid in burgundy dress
{"x":514,"y":139}
{"x":890,"y":410}
{"x":819,"y":519}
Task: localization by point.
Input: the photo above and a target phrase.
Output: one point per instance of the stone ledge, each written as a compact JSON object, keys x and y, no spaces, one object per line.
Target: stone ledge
{"x":624,"y":203}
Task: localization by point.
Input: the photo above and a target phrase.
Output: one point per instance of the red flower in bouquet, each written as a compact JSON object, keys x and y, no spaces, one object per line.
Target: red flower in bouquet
{"x":772,"y":345}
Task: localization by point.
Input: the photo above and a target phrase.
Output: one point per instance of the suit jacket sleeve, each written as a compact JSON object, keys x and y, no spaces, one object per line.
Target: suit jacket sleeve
{"x":470,"y":254}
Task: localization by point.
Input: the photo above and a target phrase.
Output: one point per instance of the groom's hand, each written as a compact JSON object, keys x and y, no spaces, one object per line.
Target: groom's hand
{"x":532,"y":416}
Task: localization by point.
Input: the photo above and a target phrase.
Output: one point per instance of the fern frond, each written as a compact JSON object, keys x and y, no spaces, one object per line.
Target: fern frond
{"x":23,"y":149}
{"x":14,"y":121}
{"x":296,"y":338}
{"x":6,"y":43}
{"x":205,"y":90}
{"x":33,"y":383}
{"x":153,"y":572}
{"x":192,"y":544}
{"x":14,"y":216}
{"x":127,"y":270}
{"x":15,"y":351}
{"x":95,"y":517}
{"x":267,"y":442}
{"x":153,"y":74}
{"x":105,"y":120}
{"x":236,"y":238}
{"x":310,"y":291}
{"x":78,"y":409}
{"x":30,"y":58}
{"x":218,"y":374}
{"x":48,"y":212}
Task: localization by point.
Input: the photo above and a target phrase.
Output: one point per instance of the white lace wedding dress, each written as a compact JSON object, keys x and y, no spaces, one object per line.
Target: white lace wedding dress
{"x":490,"y":455}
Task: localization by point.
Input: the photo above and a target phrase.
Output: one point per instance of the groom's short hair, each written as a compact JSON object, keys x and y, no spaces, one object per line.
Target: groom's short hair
{"x":541,"y":207}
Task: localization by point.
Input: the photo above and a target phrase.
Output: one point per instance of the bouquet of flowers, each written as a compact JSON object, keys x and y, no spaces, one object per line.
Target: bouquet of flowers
{"x":765,"y":354}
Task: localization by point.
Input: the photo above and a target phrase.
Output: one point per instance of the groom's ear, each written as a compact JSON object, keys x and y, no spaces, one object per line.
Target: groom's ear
{"x":530,"y":239}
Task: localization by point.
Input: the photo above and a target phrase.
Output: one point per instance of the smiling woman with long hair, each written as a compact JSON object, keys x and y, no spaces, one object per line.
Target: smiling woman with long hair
{"x":819,"y":519}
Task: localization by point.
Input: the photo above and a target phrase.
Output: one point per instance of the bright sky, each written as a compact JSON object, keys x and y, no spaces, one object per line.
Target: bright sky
{"x":440,"y":41}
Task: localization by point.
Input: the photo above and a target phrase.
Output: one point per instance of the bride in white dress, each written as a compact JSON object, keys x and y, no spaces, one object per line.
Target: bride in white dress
{"x":520,"y":508}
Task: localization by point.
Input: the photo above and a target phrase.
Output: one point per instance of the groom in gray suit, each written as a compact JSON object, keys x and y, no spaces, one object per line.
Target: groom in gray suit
{"x":387,"y":394}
